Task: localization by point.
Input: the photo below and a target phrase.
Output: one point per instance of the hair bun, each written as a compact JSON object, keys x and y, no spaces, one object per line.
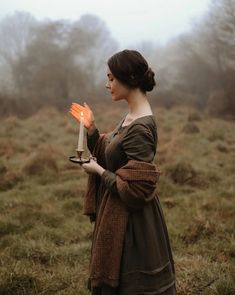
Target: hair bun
{"x":148,"y":81}
{"x":131,"y":69}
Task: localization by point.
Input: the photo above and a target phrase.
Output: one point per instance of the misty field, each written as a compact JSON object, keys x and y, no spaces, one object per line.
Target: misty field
{"x":44,"y":237}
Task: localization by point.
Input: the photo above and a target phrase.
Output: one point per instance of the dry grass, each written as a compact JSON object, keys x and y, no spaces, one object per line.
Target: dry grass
{"x":45,"y":239}
{"x":40,"y":163}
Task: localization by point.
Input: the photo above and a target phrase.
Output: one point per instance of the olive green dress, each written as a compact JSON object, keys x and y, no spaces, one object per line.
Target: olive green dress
{"x":147,"y":265}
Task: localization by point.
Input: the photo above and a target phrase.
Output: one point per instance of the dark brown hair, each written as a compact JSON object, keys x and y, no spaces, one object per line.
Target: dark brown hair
{"x":131,"y":69}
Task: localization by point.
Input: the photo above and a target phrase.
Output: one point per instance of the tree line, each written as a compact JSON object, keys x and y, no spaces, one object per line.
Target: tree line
{"x":49,"y":62}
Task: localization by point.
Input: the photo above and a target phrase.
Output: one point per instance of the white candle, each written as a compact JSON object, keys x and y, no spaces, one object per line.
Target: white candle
{"x":81,"y":133}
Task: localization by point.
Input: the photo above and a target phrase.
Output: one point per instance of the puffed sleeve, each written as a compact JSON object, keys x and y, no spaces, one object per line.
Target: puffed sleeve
{"x":140,"y":143}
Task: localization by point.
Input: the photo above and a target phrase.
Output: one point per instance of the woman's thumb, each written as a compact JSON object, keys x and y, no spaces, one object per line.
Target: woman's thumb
{"x":87,"y":106}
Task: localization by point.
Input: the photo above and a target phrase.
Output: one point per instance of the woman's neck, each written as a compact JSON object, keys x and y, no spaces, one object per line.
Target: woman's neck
{"x":138,"y":104}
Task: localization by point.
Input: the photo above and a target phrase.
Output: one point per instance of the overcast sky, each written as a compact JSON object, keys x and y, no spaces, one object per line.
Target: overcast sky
{"x":129,"y":21}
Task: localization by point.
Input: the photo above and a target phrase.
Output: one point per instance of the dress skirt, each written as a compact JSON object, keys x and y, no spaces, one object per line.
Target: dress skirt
{"x":147,"y":266}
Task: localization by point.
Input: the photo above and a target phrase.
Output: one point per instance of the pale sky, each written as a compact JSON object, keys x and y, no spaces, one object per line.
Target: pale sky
{"x":129,"y":21}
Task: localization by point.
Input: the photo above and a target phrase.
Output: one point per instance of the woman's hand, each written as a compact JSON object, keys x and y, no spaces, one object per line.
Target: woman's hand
{"x":93,"y":168}
{"x":75,"y":111}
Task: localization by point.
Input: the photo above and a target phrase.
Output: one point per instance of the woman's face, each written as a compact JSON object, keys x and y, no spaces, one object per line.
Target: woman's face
{"x":117,"y":89}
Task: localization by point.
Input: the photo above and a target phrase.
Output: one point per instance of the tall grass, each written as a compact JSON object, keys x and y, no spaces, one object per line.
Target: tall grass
{"x":45,"y":239}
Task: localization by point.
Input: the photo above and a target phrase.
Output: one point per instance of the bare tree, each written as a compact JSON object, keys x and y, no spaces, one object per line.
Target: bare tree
{"x":62,"y":60}
{"x":203,"y":63}
{"x":92,"y":34}
{"x":15,"y":33}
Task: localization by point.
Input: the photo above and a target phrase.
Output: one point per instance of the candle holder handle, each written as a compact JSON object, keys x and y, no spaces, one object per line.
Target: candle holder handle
{"x":78,"y":159}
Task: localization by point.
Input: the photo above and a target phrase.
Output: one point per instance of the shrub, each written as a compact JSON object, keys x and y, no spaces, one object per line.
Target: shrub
{"x":181,"y":172}
{"x":222,"y":147}
{"x":217,"y":134}
{"x":16,"y":106}
{"x":222,"y":103}
{"x":197,"y":229}
{"x":9,"y":180}
{"x":225,"y":287}
{"x":41,"y":163}
{"x":7,"y":228}
{"x":194,"y":117}
{"x":19,"y":284}
{"x":190,"y":128}
{"x":3,"y":169}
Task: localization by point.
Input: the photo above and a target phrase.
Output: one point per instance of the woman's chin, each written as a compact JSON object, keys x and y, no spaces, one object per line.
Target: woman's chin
{"x":115,"y":98}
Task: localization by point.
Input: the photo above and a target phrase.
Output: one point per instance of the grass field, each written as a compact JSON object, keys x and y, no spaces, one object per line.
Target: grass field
{"x":44,"y":238}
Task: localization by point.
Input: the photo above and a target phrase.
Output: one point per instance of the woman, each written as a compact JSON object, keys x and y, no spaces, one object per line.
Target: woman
{"x":131,"y":252}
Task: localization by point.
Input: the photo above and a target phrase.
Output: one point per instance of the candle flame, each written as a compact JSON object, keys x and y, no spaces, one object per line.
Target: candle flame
{"x":81,"y":114}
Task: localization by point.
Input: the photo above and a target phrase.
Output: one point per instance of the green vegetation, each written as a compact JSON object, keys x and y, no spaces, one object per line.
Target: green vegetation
{"x":45,"y":239}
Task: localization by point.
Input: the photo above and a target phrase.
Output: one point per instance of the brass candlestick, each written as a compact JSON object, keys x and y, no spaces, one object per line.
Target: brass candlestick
{"x":78,"y":159}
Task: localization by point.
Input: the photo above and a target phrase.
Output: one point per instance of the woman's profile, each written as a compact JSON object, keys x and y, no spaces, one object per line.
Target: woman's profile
{"x":131,"y":252}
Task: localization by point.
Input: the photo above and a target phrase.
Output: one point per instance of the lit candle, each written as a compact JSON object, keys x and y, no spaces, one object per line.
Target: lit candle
{"x":81,"y":134}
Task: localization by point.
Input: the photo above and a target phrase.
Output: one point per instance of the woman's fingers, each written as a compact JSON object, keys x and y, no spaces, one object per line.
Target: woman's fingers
{"x":78,"y":113}
{"x":77,"y":105}
{"x":90,"y":113}
{"x":78,"y":108}
{"x":87,"y":121}
{"x":75,"y":115}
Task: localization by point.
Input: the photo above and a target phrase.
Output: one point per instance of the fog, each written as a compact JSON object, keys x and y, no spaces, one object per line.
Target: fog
{"x":52,"y":62}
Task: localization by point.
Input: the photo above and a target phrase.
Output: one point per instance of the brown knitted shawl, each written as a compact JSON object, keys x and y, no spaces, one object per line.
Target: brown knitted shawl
{"x":136,"y":185}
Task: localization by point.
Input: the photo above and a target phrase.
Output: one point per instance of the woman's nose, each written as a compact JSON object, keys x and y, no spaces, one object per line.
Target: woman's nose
{"x":107,"y":85}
